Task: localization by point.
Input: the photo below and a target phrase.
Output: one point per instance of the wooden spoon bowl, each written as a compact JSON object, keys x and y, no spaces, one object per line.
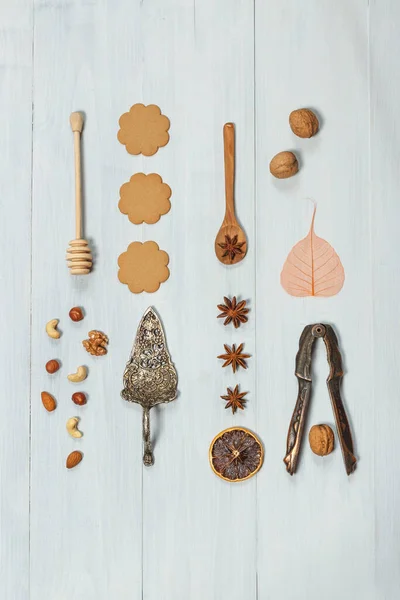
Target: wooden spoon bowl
{"x":231,"y":242}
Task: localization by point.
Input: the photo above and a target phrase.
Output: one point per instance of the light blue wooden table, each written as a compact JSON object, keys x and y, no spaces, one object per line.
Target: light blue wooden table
{"x":111,"y":529}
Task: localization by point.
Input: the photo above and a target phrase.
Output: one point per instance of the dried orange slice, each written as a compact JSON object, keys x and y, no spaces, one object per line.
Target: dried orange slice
{"x":236,"y":454}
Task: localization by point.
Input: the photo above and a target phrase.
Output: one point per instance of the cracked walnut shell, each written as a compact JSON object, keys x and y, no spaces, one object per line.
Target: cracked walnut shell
{"x":143,"y":130}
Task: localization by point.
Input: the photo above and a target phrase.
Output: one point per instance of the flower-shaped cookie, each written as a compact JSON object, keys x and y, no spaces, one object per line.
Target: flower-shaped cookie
{"x":144,"y":198}
{"x":143,"y":267}
{"x":143,"y":129}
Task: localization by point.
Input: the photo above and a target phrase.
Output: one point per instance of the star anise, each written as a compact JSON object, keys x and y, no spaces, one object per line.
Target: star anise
{"x":232,"y":311}
{"x":234,"y":399}
{"x":232,"y":247}
{"x":234,"y":357}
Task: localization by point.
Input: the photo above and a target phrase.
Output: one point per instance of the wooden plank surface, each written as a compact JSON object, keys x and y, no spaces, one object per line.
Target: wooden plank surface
{"x":15,"y":291}
{"x":112,"y":529}
{"x":385,"y":246}
{"x":86,"y":532}
{"x":316,"y":529}
{"x":195,"y":525}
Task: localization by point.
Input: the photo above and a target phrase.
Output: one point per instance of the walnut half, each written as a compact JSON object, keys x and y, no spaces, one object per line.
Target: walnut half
{"x":96,"y":344}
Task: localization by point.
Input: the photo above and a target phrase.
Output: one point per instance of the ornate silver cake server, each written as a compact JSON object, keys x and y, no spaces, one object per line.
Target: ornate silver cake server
{"x":150,"y":377}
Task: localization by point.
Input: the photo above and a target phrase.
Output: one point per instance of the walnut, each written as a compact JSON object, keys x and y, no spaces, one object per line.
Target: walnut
{"x":284,"y":165}
{"x":322,"y":439}
{"x":96,"y":344}
{"x":303,"y":122}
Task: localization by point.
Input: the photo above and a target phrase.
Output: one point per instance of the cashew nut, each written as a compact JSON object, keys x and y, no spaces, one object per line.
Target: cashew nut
{"x":51,"y":329}
{"x":72,"y":427}
{"x":80,"y":375}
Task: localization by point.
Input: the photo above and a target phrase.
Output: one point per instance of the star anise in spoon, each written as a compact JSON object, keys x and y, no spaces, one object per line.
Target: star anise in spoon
{"x":233,"y":311}
{"x":232,"y":247}
{"x":234,"y":399}
{"x":234,"y":356}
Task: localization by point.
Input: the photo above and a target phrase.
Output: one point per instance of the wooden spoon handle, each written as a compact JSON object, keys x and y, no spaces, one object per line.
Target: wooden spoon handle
{"x":76,"y":120}
{"x":229,"y":158}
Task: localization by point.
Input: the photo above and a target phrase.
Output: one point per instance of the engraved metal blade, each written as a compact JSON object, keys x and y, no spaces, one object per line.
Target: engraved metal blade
{"x":150,"y":377}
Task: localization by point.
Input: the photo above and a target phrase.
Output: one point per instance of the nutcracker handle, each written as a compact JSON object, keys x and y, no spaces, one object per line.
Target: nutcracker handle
{"x":296,"y":427}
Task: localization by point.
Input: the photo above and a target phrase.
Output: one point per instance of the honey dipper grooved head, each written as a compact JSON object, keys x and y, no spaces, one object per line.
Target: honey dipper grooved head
{"x":79,"y":257}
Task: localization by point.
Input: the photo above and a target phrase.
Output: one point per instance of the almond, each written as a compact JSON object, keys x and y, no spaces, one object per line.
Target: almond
{"x":73,"y":459}
{"x":48,"y":401}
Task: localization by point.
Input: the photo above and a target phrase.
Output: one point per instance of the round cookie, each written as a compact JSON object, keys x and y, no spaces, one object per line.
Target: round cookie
{"x":143,"y":267}
{"x":143,"y":130}
{"x":144,"y":198}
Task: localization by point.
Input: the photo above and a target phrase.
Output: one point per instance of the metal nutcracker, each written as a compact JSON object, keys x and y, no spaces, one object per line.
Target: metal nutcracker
{"x":303,"y":373}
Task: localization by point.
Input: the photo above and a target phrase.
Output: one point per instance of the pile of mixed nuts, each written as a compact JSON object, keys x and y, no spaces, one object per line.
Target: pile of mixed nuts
{"x":96,"y":345}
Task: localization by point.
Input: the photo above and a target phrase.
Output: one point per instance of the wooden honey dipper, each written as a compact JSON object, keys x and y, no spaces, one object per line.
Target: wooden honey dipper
{"x":79,"y":257}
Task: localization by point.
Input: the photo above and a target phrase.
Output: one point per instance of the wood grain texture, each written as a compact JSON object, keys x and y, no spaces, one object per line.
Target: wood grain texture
{"x":194,"y":525}
{"x":319,"y":525}
{"x":15,"y":284}
{"x":384,"y":255}
{"x":111,"y":529}
{"x":86,"y":530}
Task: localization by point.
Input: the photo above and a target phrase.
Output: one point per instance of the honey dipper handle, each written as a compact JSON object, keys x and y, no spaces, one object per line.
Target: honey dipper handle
{"x":229,"y":158}
{"x":76,"y":120}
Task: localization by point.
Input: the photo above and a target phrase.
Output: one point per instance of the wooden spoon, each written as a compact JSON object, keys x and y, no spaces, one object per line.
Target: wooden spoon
{"x":230,"y":243}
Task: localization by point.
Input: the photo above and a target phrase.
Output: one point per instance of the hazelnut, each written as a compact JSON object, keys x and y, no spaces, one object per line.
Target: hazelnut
{"x":322,"y":439}
{"x":79,"y":398}
{"x":52,"y":366}
{"x":76,"y":314}
{"x":303,"y":122}
{"x":284,"y":165}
